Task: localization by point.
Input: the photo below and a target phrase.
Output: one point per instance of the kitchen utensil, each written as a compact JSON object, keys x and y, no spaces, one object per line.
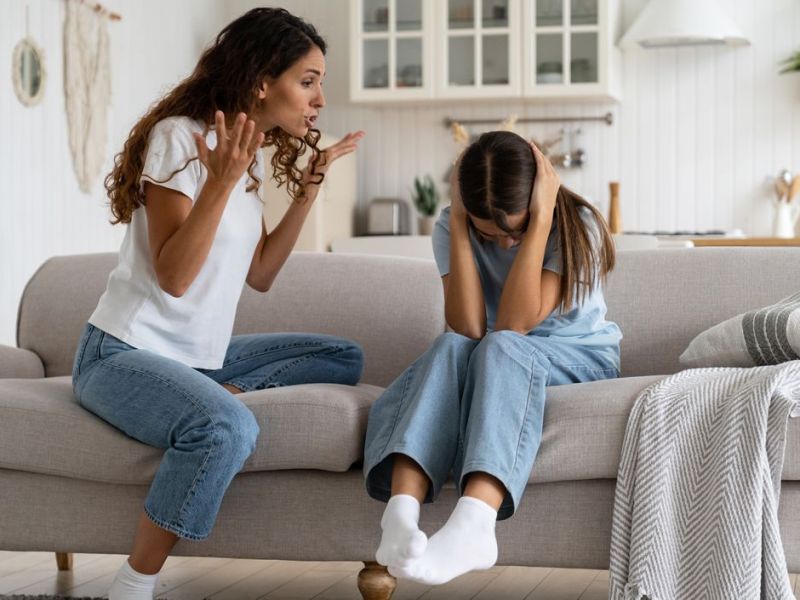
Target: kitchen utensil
{"x":782,"y":183}
{"x":794,"y":188}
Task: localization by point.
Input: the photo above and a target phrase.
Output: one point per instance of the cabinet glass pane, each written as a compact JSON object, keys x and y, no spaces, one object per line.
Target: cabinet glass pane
{"x":495,"y":60}
{"x":376,"y":15}
{"x":461,"y":61}
{"x":409,"y":15}
{"x":460,"y":14}
{"x":409,"y":63}
{"x":549,"y":13}
{"x":376,"y":63}
{"x":583,"y":66}
{"x":549,"y":58}
{"x":584,"y":12}
{"x":495,"y":13}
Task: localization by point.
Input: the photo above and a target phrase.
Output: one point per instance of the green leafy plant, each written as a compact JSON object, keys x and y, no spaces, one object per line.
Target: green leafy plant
{"x":792,"y":63}
{"x":426,"y":196}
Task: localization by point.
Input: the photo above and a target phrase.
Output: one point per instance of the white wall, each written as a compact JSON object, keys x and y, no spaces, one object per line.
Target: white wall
{"x":43,"y":213}
{"x":696,"y":136}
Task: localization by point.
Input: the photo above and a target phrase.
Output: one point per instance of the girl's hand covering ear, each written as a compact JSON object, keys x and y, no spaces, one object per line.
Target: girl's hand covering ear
{"x":545,"y":187}
{"x":456,"y":204}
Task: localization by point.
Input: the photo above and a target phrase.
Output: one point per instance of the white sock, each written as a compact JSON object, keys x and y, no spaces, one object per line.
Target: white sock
{"x":129,"y":584}
{"x":401,"y":540}
{"x":466,"y":542}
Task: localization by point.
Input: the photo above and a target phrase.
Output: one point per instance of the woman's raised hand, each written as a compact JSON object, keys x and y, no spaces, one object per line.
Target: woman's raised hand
{"x":343,"y":147}
{"x":456,"y":204}
{"x":234,"y":151}
{"x":545,"y":187}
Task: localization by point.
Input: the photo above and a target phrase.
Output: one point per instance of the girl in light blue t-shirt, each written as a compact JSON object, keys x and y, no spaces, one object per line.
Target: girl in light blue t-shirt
{"x":521,"y":259}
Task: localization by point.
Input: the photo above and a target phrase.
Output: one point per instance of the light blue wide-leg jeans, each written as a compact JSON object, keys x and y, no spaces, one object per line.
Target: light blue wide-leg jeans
{"x":469,"y":406}
{"x":207,"y":432}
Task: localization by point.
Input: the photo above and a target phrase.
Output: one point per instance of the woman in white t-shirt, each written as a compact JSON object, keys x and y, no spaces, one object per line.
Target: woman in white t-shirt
{"x":157,"y":359}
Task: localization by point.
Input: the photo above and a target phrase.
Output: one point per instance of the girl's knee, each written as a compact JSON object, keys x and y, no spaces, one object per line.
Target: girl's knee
{"x":451,"y":341}
{"x":508,"y":343}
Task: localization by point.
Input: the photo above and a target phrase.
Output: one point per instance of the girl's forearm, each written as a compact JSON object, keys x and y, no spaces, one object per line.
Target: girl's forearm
{"x":521,"y":301}
{"x":465,"y":311}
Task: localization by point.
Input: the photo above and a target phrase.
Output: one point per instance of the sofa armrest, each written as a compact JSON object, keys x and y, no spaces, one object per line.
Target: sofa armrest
{"x":19,"y":363}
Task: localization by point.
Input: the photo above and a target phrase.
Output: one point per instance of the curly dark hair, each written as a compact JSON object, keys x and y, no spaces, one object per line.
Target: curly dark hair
{"x":264,"y":42}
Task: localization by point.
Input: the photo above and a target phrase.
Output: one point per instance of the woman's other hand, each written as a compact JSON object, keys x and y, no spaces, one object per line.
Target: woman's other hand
{"x":545,"y":188}
{"x":331,"y":154}
{"x":234,"y":151}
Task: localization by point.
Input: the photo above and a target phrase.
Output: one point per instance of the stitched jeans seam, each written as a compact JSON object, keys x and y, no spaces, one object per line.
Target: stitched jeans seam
{"x":406,"y":385}
{"x":294,"y":363}
{"x":262,"y":352}
{"x":535,"y":356}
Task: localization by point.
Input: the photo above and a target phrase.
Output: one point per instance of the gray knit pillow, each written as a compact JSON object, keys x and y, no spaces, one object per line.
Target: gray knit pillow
{"x":766,"y":336}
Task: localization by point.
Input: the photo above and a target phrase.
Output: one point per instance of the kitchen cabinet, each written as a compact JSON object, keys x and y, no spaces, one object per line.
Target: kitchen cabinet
{"x":391,"y":54}
{"x":456,"y":49}
{"x":570,"y":48}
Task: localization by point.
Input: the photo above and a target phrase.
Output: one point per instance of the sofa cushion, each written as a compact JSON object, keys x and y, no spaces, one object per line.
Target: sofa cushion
{"x":661,"y":299}
{"x":43,"y":429}
{"x":765,"y":336}
{"x":18,"y":362}
{"x":584,"y":426}
{"x":367,"y":299}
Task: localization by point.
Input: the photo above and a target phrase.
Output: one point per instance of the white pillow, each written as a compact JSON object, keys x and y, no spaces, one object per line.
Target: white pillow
{"x":766,"y":336}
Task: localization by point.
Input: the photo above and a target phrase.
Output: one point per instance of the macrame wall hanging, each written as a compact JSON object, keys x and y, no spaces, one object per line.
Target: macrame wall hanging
{"x":87,"y":87}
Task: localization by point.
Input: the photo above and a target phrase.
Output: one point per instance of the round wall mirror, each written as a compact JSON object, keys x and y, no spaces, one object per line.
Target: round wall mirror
{"x":28,"y":72}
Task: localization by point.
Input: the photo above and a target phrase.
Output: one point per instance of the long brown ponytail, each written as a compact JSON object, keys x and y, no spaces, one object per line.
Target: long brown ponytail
{"x":587,"y":251}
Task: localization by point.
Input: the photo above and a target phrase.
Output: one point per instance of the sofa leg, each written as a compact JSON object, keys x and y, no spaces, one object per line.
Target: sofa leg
{"x":375,"y":583}
{"x":64,"y":561}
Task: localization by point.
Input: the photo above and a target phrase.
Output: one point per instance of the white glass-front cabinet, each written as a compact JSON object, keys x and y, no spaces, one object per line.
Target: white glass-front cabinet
{"x":476,"y":48}
{"x":450,"y":49}
{"x":391,"y":54}
{"x":569,"y":48}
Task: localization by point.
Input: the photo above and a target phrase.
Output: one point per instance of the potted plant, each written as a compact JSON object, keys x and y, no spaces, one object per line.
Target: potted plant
{"x":426,"y":199}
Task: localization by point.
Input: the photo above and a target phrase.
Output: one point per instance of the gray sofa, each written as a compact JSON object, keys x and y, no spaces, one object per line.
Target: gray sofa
{"x":71,"y":483}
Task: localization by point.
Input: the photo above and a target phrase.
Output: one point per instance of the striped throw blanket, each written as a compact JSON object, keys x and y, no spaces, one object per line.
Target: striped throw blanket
{"x":696,"y":507}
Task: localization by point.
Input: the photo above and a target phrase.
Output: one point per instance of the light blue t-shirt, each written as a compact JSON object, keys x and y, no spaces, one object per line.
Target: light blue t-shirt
{"x":583,"y":324}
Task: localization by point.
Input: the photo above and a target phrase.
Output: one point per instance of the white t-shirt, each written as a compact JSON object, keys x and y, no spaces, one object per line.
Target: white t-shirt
{"x":196,"y":328}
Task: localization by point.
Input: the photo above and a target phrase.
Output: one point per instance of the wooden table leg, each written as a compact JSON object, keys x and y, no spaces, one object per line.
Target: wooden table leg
{"x":64,"y":561}
{"x":375,"y":583}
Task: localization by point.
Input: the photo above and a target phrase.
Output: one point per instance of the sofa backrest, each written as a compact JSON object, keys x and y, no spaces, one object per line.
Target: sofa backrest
{"x":661,"y":299}
{"x":393,"y":307}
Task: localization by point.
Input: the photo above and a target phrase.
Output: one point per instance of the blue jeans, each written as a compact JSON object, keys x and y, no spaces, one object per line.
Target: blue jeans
{"x":207,"y":432}
{"x":471,"y":406}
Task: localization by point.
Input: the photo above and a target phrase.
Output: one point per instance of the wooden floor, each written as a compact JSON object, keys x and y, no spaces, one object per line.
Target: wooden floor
{"x":228,"y":579}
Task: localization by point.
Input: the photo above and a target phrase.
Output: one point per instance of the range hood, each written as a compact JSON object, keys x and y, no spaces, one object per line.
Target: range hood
{"x":668,"y":23}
